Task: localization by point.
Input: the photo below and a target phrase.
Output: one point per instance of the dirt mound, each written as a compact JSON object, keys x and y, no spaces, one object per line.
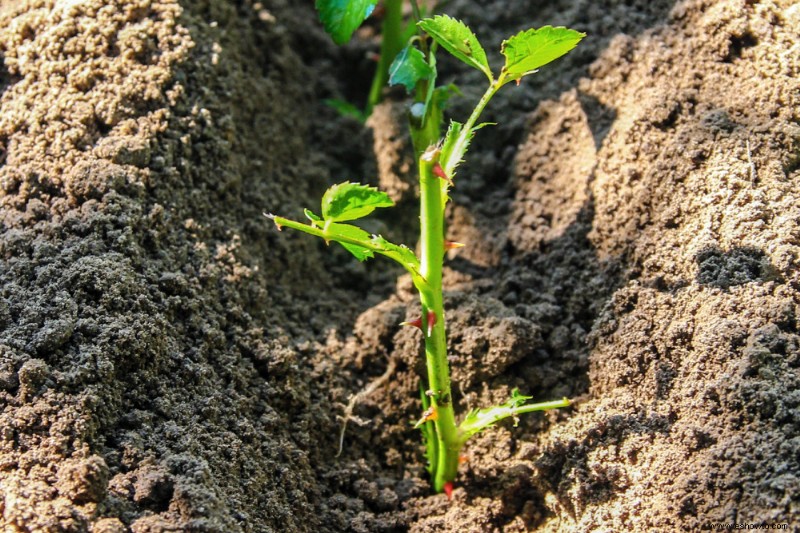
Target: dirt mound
{"x":170,"y":362}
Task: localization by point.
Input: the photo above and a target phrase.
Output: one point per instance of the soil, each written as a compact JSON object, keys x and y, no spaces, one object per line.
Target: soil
{"x":170,"y":362}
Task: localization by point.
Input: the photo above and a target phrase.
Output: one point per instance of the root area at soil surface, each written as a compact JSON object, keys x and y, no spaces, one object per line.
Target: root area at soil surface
{"x":170,"y":362}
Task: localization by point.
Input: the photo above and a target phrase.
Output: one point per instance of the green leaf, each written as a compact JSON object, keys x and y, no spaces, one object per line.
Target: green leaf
{"x":312,"y":217}
{"x":342,"y":17}
{"x":400,"y":253}
{"x":531,"y":49}
{"x":335,"y":231}
{"x":459,"y":40}
{"x":355,"y":240}
{"x":346,"y":109}
{"x":479,"y":419}
{"x":408,"y":68}
{"x":351,"y":201}
{"x":517,"y":398}
{"x":443,"y":93}
{"x":454,"y":147}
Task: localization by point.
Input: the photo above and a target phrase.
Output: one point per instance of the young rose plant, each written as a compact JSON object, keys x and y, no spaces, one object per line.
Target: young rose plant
{"x":438,"y":159}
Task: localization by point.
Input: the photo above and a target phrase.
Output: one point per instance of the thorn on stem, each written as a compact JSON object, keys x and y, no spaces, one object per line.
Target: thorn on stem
{"x":430,"y":415}
{"x":431,"y":322}
{"x":438,"y":171}
{"x":452,"y":245}
{"x":415,"y":323}
{"x":448,"y":489}
{"x":272,"y":218}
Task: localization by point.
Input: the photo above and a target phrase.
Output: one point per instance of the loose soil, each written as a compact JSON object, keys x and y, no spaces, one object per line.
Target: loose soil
{"x":170,"y":362}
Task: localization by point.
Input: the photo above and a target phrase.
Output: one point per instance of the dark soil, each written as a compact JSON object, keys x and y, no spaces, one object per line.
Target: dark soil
{"x":170,"y":362}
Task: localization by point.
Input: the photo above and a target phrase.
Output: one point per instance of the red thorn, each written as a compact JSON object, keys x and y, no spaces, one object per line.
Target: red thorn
{"x":431,"y":322}
{"x":416,"y":323}
{"x":448,"y":489}
{"x":519,"y":80}
{"x":463,"y":459}
{"x":451,"y":245}
{"x":438,"y":171}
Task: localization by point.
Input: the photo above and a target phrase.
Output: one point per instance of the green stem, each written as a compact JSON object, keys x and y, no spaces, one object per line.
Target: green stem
{"x":466,"y":131}
{"x":391,"y":44}
{"x":376,"y":244}
{"x":432,"y":244}
{"x":484,"y":418}
{"x":415,"y":11}
{"x":428,"y":130}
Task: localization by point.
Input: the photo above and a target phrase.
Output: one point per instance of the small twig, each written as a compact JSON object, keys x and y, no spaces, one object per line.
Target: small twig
{"x":354,"y":399}
{"x":753,"y":173}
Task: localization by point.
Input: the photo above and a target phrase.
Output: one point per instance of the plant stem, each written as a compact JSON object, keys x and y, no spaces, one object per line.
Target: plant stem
{"x":432,"y":244}
{"x":416,"y":11}
{"x":485,"y":418}
{"x":466,"y":131}
{"x":391,"y":44}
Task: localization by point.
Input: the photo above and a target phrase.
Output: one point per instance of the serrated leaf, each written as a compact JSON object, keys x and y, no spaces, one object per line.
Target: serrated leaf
{"x":355,"y":240}
{"x":479,"y":419}
{"x":342,"y":17}
{"x":455,"y":37}
{"x":351,"y":201}
{"x":408,"y":68}
{"x":531,"y":49}
{"x":454,"y":147}
{"x":517,"y":398}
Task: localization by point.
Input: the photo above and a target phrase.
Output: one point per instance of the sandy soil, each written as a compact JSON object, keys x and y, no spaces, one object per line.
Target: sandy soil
{"x":169,"y":362}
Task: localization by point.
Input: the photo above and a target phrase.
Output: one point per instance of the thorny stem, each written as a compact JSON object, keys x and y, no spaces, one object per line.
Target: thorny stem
{"x":449,"y":438}
{"x":432,"y":245}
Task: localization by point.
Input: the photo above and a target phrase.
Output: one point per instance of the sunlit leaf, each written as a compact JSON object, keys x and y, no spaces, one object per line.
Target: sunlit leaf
{"x":351,"y":201}
{"x":459,"y":40}
{"x":531,"y":49}
{"x":408,"y":68}
{"x":336,"y":232}
{"x":342,"y":17}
